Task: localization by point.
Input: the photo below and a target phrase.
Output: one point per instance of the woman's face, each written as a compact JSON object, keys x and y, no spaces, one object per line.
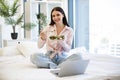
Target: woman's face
{"x":57,"y":17}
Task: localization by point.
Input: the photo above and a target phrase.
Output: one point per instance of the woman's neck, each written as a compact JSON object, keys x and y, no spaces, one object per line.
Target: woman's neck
{"x":59,"y":28}
{"x":60,"y":25}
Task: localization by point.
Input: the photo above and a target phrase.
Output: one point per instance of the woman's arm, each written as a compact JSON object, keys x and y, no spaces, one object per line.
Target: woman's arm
{"x":67,"y":43}
{"x":41,"y":42}
{"x":42,"y":38}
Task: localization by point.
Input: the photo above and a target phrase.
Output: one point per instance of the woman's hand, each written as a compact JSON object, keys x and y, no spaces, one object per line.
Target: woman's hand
{"x":43,"y":35}
{"x":52,"y":55}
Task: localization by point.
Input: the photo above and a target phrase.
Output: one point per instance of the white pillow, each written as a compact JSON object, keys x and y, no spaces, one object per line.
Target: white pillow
{"x":78,"y":50}
{"x":9,"y":51}
{"x":29,"y":48}
{"x":81,"y":51}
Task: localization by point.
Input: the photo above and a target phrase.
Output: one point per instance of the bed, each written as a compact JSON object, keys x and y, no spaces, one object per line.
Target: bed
{"x":15,"y":65}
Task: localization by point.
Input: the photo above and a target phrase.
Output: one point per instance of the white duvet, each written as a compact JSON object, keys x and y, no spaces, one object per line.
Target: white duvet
{"x":19,"y":67}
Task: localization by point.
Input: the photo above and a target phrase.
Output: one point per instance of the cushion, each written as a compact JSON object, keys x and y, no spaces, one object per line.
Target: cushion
{"x":78,"y":50}
{"x":29,"y":48}
{"x":9,"y":51}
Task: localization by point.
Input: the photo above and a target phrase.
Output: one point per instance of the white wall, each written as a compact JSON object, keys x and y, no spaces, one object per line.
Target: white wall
{"x":104,"y":22}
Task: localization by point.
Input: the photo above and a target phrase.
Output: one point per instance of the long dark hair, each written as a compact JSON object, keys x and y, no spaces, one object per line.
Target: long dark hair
{"x":64,"y":18}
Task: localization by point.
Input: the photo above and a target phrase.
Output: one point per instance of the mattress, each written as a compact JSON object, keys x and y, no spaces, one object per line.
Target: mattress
{"x":18,"y":67}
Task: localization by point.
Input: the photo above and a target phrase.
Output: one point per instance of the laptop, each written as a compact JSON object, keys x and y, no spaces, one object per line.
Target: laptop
{"x":69,"y":68}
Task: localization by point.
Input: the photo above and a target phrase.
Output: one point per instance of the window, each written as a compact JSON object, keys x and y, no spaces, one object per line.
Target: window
{"x":104,"y":26}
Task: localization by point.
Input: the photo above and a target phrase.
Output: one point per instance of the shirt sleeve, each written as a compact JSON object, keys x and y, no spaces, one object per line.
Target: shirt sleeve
{"x":69,"y":40}
{"x":68,"y":43}
{"x":40,"y":41}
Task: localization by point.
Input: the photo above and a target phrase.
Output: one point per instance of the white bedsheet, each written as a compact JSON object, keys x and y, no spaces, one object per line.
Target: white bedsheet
{"x":20,"y":68}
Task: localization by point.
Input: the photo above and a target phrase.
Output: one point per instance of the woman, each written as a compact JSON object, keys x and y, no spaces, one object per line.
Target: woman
{"x":58,"y":38}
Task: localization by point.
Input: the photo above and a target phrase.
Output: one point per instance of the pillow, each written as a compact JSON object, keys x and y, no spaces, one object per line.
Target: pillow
{"x":29,"y":48}
{"x":9,"y":51}
{"x":78,"y":50}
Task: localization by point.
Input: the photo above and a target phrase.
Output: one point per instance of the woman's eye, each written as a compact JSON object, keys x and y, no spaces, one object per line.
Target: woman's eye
{"x":53,"y":15}
{"x":58,"y":14}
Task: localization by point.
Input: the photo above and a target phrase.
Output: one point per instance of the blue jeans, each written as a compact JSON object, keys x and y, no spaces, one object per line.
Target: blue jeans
{"x":43,"y":60}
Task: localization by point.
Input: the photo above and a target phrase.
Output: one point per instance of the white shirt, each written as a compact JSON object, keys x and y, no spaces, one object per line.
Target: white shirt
{"x":57,"y":45}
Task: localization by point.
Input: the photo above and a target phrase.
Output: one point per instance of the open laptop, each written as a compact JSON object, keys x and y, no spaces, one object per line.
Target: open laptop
{"x":69,"y":68}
